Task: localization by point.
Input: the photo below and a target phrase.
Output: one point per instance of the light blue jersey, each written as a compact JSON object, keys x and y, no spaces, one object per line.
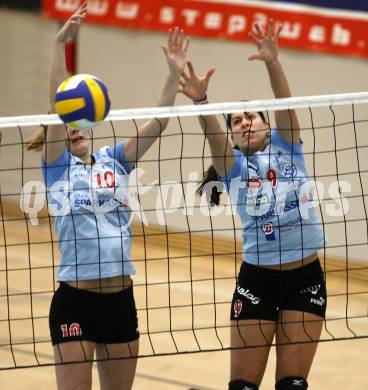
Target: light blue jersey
{"x":272,"y":195}
{"x":92,"y":214}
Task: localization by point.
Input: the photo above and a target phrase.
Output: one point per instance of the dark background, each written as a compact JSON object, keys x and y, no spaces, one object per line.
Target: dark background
{"x":21,"y":4}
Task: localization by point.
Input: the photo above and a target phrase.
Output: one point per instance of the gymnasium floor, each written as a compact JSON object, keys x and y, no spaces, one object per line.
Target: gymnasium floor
{"x":338,"y":364}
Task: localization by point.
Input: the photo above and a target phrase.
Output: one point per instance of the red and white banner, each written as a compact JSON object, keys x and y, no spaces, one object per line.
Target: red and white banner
{"x":306,"y":28}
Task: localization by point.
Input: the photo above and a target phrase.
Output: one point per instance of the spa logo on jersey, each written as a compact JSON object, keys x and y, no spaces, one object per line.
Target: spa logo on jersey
{"x":269,"y":232}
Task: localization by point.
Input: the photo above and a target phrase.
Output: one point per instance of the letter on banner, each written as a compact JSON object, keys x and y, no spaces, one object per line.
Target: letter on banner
{"x":317,"y":34}
{"x":67,"y":5}
{"x":167,"y":15}
{"x":98,"y":7}
{"x":236,"y":24}
{"x":213,"y":21}
{"x":190,"y":16}
{"x":340,"y":36}
{"x":126,"y":10}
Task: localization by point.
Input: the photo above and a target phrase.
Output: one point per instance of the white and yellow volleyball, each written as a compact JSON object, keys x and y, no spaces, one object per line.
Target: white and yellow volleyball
{"x":82,"y":101}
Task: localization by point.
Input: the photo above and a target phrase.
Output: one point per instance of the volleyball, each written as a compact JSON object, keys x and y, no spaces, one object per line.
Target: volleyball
{"x":82,"y":101}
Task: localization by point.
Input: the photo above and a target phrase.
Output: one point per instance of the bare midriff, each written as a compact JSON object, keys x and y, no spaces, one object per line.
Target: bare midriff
{"x":107,"y":285}
{"x":294,"y":264}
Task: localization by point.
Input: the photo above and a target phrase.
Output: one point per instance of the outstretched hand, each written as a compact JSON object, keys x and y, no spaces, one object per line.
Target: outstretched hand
{"x":266,"y":42}
{"x":176,"y":50}
{"x":73,"y":24}
{"x":193,"y":86}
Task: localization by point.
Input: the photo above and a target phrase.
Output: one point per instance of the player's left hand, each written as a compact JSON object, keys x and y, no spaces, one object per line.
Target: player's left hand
{"x":176,"y":50}
{"x":266,"y":42}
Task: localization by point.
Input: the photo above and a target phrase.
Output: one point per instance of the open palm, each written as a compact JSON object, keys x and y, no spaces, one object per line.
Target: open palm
{"x":193,"y":86}
{"x":266,"y":42}
{"x":176,"y":50}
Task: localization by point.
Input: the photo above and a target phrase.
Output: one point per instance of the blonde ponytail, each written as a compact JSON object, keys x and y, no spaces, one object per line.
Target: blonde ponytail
{"x":36,"y":140}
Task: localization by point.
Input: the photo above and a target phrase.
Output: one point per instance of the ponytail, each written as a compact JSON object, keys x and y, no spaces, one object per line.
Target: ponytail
{"x":36,"y":141}
{"x":210,"y":175}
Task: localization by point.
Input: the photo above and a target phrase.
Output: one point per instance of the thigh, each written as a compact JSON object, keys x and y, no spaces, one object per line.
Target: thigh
{"x":76,"y":376}
{"x":250,"y":345}
{"x":117,"y":364}
{"x":297,"y":337}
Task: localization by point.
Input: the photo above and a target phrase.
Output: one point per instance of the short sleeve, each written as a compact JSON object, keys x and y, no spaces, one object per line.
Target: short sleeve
{"x":278,"y":140}
{"x":117,"y":152}
{"x":54,"y":171}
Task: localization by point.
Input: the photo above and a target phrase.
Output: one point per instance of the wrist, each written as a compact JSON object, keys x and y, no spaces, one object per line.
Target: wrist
{"x":60,"y":40}
{"x":203,"y":100}
{"x":173,"y":72}
{"x":272,"y":62}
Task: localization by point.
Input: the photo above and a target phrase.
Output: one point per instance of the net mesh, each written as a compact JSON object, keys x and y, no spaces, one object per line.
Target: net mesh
{"x":187,"y":255}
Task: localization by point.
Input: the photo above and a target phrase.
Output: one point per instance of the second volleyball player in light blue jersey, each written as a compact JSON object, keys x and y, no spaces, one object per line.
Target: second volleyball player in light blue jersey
{"x":280,"y":290}
{"x":93,"y":310}
{"x":280,"y":222}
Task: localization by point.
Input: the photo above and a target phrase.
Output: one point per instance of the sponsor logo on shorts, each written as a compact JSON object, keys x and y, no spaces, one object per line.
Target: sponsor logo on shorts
{"x":238,"y":305}
{"x":312,"y":289}
{"x":267,"y":229}
{"x":320,"y":301}
{"x":247,"y":294}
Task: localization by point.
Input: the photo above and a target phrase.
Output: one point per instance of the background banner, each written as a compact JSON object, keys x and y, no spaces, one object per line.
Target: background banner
{"x":306,"y":27}
{"x":356,"y":5}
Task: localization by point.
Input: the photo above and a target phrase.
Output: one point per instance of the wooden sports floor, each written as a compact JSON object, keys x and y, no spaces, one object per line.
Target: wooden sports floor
{"x":188,"y":314}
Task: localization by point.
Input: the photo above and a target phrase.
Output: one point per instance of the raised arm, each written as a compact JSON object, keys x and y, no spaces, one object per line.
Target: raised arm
{"x":286,"y":120}
{"x":175,"y":54}
{"x":195,"y":87}
{"x":55,"y":138}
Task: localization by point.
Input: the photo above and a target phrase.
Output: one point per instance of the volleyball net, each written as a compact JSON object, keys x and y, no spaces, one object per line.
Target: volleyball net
{"x":187,"y":255}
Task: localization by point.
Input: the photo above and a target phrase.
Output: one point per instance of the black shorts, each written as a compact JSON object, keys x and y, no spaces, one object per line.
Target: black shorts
{"x":261,"y":293}
{"x":77,"y":314}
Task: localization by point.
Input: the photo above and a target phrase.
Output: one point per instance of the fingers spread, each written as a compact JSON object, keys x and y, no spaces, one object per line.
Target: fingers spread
{"x":170,"y":38}
{"x":175,"y":37}
{"x":165,"y":50}
{"x":185,"y":76}
{"x":209,"y":74}
{"x":180,"y":38}
{"x":186,"y":44}
{"x":278,"y":30}
{"x":258,"y":30}
{"x":253,"y":38}
{"x":191,"y":69}
{"x":270,"y":29}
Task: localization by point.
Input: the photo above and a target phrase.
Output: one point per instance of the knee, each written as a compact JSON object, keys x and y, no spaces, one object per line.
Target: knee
{"x":239,"y":384}
{"x":292,"y":383}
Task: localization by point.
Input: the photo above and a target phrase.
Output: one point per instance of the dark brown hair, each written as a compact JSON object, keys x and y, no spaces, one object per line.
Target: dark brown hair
{"x":212,"y":175}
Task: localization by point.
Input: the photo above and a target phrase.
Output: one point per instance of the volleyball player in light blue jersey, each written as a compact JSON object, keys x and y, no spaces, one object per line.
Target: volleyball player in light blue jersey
{"x":93,"y":310}
{"x":274,"y":208}
{"x":280,"y":291}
